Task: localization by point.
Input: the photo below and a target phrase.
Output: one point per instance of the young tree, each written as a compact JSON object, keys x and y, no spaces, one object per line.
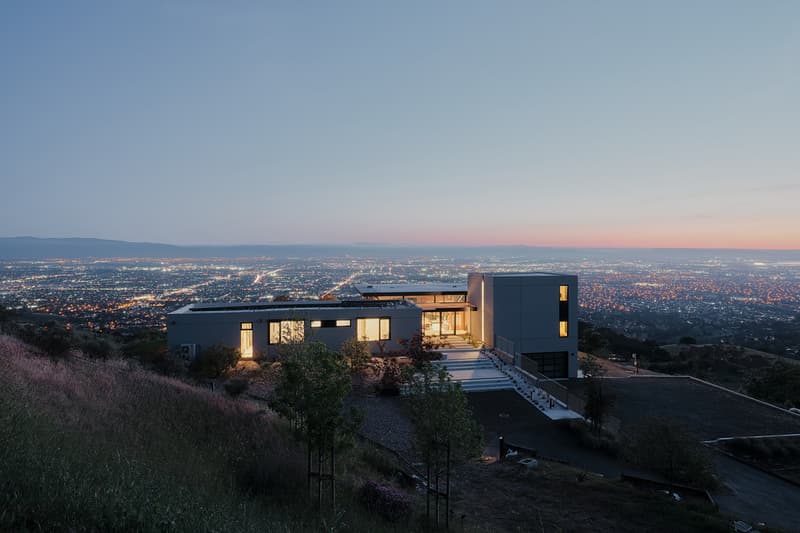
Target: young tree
{"x":391,"y":379}
{"x":665,"y":446}
{"x":445,"y":431}
{"x":356,"y":353}
{"x":420,"y":350}
{"x":591,"y":367}
{"x":215,"y":361}
{"x":313,"y":383}
{"x":598,"y":401}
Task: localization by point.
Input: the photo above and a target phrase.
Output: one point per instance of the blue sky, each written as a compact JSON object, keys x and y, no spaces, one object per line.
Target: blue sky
{"x":542,"y":123}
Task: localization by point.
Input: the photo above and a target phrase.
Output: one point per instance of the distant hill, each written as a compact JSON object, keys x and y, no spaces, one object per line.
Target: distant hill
{"x":76,"y":248}
{"x":33,"y":248}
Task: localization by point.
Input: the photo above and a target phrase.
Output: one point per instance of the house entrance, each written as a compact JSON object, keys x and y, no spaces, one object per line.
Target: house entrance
{"x":442,"y":323}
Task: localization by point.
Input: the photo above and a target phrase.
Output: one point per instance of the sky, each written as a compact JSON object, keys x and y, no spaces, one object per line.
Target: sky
{"x":563,"y":123}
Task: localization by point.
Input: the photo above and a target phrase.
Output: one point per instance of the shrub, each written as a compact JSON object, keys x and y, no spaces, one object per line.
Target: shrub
{"x":379,"y":460}
{"x":392,"y":504}
{"x":356,"y":353}
{"x":390,"y":381}
{"x":595,"y":440}
{"x":236,"y":386}
{"x":97,"y":348}
{"x":215,"y":361}
{"x":420,"y":350}
{"x":664,"y":446}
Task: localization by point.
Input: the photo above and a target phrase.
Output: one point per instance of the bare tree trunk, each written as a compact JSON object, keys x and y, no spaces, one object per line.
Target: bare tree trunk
{"x":333,"y":474}
{"x":308,"y":470}
{"x":447,"y":491}
{"x":428,"y":489}
{"x":437,"y":489}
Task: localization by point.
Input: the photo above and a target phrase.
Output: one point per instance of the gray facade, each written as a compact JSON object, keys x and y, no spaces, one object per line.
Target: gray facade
{"x":197,"y":326}
{"x":531,"y":315}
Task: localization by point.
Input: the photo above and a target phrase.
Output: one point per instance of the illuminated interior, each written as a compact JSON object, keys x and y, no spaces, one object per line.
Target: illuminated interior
{"x":438,"y":323}
{"x":246,"y":340}
{"x":373,"y":329}
{"x":563,"y":295}
{"x":563,"y":328}
{"x":286,"y":331}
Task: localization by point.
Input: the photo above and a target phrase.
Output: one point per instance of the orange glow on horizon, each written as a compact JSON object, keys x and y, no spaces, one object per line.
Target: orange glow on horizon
{"x":754,"y":237}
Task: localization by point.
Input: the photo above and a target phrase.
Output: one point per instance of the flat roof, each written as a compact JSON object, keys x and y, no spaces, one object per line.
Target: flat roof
{"x":300,"y":304}
{"x":411,"y":288}
{"x":522,"y":274}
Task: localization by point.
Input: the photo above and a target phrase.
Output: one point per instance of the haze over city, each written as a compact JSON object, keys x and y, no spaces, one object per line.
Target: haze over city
{"x":617,"y":124}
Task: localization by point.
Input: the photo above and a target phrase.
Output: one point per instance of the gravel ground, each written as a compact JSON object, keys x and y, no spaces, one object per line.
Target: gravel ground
{"x":385,"y":421}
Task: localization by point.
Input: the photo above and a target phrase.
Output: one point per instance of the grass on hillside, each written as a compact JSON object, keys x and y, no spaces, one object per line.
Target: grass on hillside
{"x":104,"y":446}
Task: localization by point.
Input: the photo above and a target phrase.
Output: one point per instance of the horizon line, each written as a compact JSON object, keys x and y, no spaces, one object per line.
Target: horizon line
{"x":412,"y":245}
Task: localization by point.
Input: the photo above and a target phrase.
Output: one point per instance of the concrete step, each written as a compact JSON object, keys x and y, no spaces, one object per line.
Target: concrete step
{"x":465,"y":365}
{"x":485,"y":385}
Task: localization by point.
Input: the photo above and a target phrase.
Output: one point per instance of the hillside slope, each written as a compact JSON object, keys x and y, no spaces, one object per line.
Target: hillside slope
{"x":105,"y":446}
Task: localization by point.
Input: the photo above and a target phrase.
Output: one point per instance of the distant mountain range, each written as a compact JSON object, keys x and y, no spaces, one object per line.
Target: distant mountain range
{"x":33,"y":248}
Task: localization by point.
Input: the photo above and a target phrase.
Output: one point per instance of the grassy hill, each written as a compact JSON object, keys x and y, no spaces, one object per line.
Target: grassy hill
{"x":105,"y":446}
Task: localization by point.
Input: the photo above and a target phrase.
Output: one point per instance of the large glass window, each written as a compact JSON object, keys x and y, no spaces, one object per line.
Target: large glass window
{"x":563,"y":328}
{"x":431,"y":326}
{"x":286,"y":331}
{"x":246,"y":340}
{"x":373,"y":329}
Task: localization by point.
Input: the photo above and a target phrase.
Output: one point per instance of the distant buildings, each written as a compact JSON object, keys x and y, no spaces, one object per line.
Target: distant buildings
{"x":531,"y":315}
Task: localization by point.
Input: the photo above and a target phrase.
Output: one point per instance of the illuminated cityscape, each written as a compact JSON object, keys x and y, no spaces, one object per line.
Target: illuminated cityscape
{"x":737,"y":300}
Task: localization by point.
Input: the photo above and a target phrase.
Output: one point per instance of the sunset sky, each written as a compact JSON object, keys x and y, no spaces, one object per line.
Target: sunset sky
{"x":630,"y":124}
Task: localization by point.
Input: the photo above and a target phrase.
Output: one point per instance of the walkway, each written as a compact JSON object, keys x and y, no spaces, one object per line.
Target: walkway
{"x":475,"y":372}
{"x":480,"y":371}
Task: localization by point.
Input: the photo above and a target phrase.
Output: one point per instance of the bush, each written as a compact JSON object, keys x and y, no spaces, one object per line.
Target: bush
{"x":391,"y":379}
{"x":778,"y":384}
{"x":379,"y":460}
{"x":215,"y":361}
{"x":594,"y":440}
{"x":420,"y":350}
{"x":392,"y":504}
{"x":236,"y":386}
{"x":97,"y":348}
{"x":356,"y":353}
{"x":664,"y":446}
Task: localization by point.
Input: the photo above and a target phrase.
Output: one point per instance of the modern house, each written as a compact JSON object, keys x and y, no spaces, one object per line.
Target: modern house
{"x":532,"y":316}
{"x":259,"y":329}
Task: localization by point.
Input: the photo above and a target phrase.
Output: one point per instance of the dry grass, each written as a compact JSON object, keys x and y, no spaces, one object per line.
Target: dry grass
{"x":107,"y":446}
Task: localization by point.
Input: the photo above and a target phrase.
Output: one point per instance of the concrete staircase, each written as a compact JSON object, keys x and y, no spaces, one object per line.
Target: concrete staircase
{"x":474,"y":372}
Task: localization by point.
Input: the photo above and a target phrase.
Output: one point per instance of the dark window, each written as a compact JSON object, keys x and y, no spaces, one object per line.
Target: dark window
{"x":550,"y":364}
{"x":340,"y":323}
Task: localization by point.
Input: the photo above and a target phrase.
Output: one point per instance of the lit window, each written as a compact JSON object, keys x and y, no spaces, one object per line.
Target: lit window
{"x":563,"y":295}
{"x":316,"y":323}
{"x":343,"y":323}
{"x":286,"y":331}
{"x":563,"y":328}
{"x":246,"y":340}
{"x":373,"y":329}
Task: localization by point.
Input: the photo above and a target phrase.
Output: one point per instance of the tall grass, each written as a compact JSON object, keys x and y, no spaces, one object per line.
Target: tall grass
{"x":104,"y":446}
